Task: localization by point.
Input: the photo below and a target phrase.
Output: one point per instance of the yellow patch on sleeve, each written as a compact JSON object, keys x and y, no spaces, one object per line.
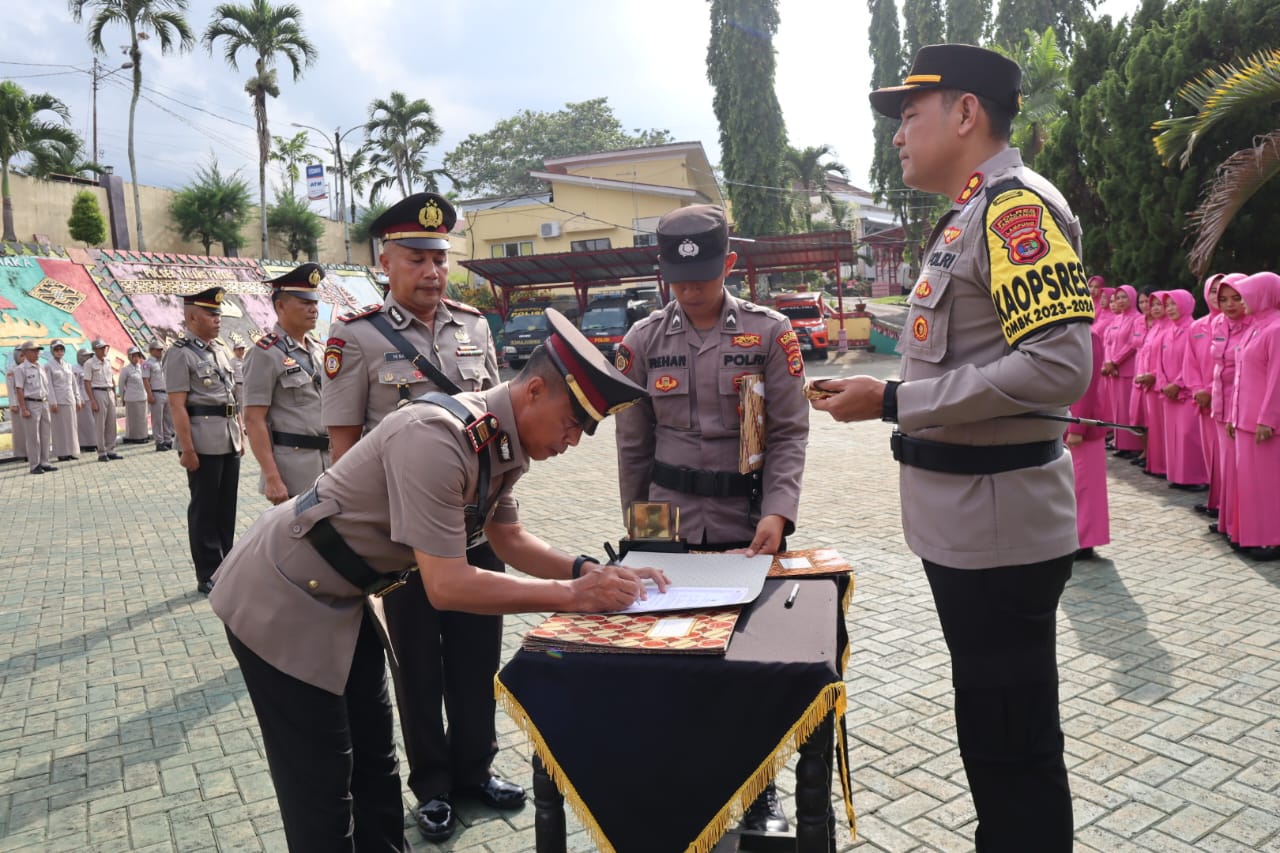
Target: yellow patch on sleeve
{"x":1037,"y":281}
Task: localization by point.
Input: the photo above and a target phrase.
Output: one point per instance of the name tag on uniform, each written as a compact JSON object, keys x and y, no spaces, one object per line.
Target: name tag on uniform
{"x":295,"y":369}
{"x":393,"y":356}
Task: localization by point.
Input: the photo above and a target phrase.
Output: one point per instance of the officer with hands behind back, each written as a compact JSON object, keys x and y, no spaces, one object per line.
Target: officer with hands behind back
{"x":418,"y":491}
{"x":998,"y":327}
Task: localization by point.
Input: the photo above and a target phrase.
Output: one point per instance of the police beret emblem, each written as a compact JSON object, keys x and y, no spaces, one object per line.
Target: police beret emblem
{"x":314,"y":278}
{"x":688,"y":249}
{"x":430,"y":216}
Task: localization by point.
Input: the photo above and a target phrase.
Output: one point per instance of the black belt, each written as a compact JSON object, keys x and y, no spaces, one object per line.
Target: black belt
{"x":35,"y":399}
{"x":228,"y":411}
{"x":707,"y":484}
{"x":102,"y":387}
{"x":293,"y":439}
{"x":338,"y":554}
{"x":972,"y":459}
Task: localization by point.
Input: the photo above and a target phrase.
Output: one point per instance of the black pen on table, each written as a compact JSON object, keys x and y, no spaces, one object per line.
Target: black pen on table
{"x":613,"y":555}
{"x":791,"y":599}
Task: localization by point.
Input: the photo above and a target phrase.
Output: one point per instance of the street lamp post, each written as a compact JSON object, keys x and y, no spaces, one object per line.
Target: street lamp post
{"x":336,"y":150}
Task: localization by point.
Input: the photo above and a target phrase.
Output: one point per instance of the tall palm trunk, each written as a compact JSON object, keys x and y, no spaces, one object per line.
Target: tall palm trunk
{"x":264,"y":143}
{"x":9,"y":234}
{"x":135,"y":56}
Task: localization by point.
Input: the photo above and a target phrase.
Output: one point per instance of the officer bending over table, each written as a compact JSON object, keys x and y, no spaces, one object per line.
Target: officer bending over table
{"x":432,"y":478}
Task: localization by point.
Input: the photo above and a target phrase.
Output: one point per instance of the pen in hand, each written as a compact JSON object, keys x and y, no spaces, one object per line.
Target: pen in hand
{"x":791,"y":599}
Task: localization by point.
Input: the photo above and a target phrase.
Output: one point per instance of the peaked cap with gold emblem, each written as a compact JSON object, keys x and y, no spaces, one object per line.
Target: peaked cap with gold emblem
{"x":302,"y":282}
{"x":210,"y":300}
{"x":421,"y":221}
{"x":963,"y":67}
{"x":597,"y":388}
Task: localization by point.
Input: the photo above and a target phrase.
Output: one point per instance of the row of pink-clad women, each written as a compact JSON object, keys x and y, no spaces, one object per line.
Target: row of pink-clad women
{"x":1207,"y":391}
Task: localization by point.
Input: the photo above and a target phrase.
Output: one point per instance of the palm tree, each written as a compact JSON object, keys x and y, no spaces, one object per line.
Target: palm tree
{"x":1221,"y":93}
{"x":1044,"y":79}
{"x":62,"y":159}
{"x":362,"y":176}
{"x":23,"y":131}
{"x":144,"y":18}
{"x":266,"y":30}
{"x":804,"y":167}
{"x":291,"y":152}
{"x":399,"y":132}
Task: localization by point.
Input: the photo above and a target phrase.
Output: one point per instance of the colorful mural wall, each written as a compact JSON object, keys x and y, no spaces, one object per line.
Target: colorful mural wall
{"x":130,"y":298}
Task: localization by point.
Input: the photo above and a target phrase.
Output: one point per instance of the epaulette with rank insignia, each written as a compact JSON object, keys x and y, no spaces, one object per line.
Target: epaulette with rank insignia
{"x":462,"y":306}
{"x":482,"y":430}
{"x":366,"y":311}
{"x":268,"y":340}
{"x":766,"y":310}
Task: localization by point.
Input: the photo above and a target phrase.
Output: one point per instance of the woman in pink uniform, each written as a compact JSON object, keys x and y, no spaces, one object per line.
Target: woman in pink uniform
{"x":1120,"y":342}
{"x":1255,"y":417}
{"x":1089,"y":459}
{"x":1197,"y":378}
{"x":1227,"y":330}
{"x":1148,"y":399}
{"x":1184,"y":454}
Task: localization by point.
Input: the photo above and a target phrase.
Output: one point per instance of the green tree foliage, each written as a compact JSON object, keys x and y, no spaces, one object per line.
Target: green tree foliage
{"x":1124,"y":79}
{"x":1014,"y":17}
{"x":59,"y":158}
{"x":806,"y":169}
{"x":265,"y":31}
{"x":214,"y":208}
{"x":398,"y":134}
{"x":923,"y":24}
{"x":293,"y":219}
{"x":164,"y":19}
{"x":289,"y":153}
{"x":498,"y":161}
{"x":887,"y":69}
{"x":753,"y":137}
{"x":361,"y":229}
{"x":967,"y":20}
{"x":1044,"y":84}
{"x":25,"y":131}
{"x":86,"y":222}
{"x":1217,"y":95}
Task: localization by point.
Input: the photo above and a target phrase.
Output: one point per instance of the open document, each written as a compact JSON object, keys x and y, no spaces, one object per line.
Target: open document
{"x":700,"y":581}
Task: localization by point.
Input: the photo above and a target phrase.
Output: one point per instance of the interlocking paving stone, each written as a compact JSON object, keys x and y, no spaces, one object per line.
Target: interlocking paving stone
{"x":124,"y":724}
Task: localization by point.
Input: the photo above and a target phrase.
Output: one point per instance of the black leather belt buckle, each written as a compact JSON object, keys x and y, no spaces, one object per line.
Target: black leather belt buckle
{"x":231,"y":411}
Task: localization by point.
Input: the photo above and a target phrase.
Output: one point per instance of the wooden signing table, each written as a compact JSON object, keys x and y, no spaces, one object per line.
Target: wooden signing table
{"x":663,"y":752}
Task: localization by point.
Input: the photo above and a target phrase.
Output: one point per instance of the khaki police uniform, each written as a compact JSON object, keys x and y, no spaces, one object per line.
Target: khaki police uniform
{"x":29,"y":378}
{"x":203,"y":370}
{"x":66,"y":393}
{"x":161,"y":417}
{"x":100,"y":377}
{"x":284,"y":375}
{"x":18,"y":434}
{"x":691,"y":422}
{"x":84,"y":420}
{"x":134,"y":396}
{"x":237,"y":374}
{"x":303,"y":633}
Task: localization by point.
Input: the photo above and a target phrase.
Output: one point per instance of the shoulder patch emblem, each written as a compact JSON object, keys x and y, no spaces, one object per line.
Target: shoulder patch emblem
{"x":666,"y":383}
{"x":623,"y":358}
{"x":924,"y":290}
{"x":1019,"y":227}
{"x":268,"y":340}
{"x":950,"y":234}
{"x":481,"y":431}
{"x":462,"y":306}
{"x":971,"y":187}
{"x":920,"y":329}
{"x":791,"y":347}
{"x":332,"y":359}
{"x":747,"y":340}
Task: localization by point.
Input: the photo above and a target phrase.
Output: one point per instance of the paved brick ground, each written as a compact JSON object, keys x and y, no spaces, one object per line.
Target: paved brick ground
{"x":124,"y":724}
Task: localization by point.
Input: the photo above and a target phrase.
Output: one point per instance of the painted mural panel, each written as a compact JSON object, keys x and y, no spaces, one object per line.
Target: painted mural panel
{"x":46,"y":298}
{"x":342,"y":292}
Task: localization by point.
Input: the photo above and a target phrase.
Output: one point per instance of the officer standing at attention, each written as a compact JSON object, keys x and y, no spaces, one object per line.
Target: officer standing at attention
{"x":33,"y":406}
{"x":84,"y":420}
{"x":100,"y":388}
{"x":998,"y":327}
{"x":197,"y":372}
{"x":416,"y":492}
{"x":418,"y":341}
{"x":237,"y":372}
{"x":18,"y":436}
{"x":158,"y":397}
{"x":282,"y":389}
{"x":64,"y":403}
{"x":133,"y":393}
{"x":681,"y":445}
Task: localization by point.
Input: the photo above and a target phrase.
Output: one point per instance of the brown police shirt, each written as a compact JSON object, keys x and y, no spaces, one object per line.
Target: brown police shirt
{"x":203,"y":371}
{"x":283,"y":374}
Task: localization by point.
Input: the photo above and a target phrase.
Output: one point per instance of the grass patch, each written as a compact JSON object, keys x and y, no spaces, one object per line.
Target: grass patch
{"x":889,"y":300}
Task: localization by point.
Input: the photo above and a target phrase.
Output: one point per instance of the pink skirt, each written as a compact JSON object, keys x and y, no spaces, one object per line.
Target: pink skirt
{"x":1209,"y":444}
{"x":1093,"y":520}
{"x":1227,"y":469}
{"x":1119,"y":393}
{"x":1184,"y":455}
{"x":1257,"y":470}
{"x":1156,"y":449}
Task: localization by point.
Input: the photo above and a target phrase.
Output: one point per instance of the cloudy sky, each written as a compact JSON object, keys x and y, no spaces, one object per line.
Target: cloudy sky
{"x":475,"y":63}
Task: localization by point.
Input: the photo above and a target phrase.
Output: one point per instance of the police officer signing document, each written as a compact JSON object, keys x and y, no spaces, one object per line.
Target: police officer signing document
{"x":998,"y":327}
{"x":197,"y":372}
{"x":416,"y":342}
{"x":416,"y":492}
{"x":282,"y":389}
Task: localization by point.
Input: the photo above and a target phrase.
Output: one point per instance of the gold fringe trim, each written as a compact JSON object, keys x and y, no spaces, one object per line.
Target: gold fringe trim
{"x":517,"y":713}
{"x":844,"y":610}
{"x":830,"y":701}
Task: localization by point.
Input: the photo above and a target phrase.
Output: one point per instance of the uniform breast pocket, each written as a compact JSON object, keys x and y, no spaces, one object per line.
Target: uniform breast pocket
{"x":399,"y":373}
{"x":471,"y":369}
{"x":669,"y":389}
{"x":730,"y":385}
{"x":207,"y":378}
{"x":297,"y":386}
{"x":925,"y":335}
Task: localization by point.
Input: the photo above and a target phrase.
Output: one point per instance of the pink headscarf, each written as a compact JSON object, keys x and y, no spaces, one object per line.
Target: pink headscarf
{"x":1103,"y":317}
{"x":1211,"y":285}
{"x":1125,"y":321}
{"x":1186,"y":307}
{"x":1261,"y":295}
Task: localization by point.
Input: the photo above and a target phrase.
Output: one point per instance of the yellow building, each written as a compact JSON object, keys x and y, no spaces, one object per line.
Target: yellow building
{"x":609,"y":200}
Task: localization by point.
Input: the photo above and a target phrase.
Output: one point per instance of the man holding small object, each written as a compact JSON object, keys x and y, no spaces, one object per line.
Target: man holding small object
{"x":999,"y":326}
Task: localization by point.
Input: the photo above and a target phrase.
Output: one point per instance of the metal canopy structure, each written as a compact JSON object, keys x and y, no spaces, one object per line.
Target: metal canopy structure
{"x":819,"y":250}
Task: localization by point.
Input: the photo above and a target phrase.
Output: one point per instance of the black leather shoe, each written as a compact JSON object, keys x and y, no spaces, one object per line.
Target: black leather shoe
{"x":37,"y":470}
{"x":114,"y":456}
{"x":204,"y":587}
{"x":1138,"y":460}
{"x":1151,"y":473}
{"x":1085,"y":554}
{"x":1213,"y":528}
{"x":1265,"y":555}
{"x":435,"y":818}
{"x":65,"y":458}
{"x":497,"y":793}
{"x":104,"y":458}
{"x":49,"y":467}
{"x":1190,"y":487}
{"x":1125,"y":454}
{"x":766,"y":814}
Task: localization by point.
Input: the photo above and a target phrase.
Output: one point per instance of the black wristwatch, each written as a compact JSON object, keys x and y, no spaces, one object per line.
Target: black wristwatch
{"x":577,"y":564}
{"x":889,"y":408}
